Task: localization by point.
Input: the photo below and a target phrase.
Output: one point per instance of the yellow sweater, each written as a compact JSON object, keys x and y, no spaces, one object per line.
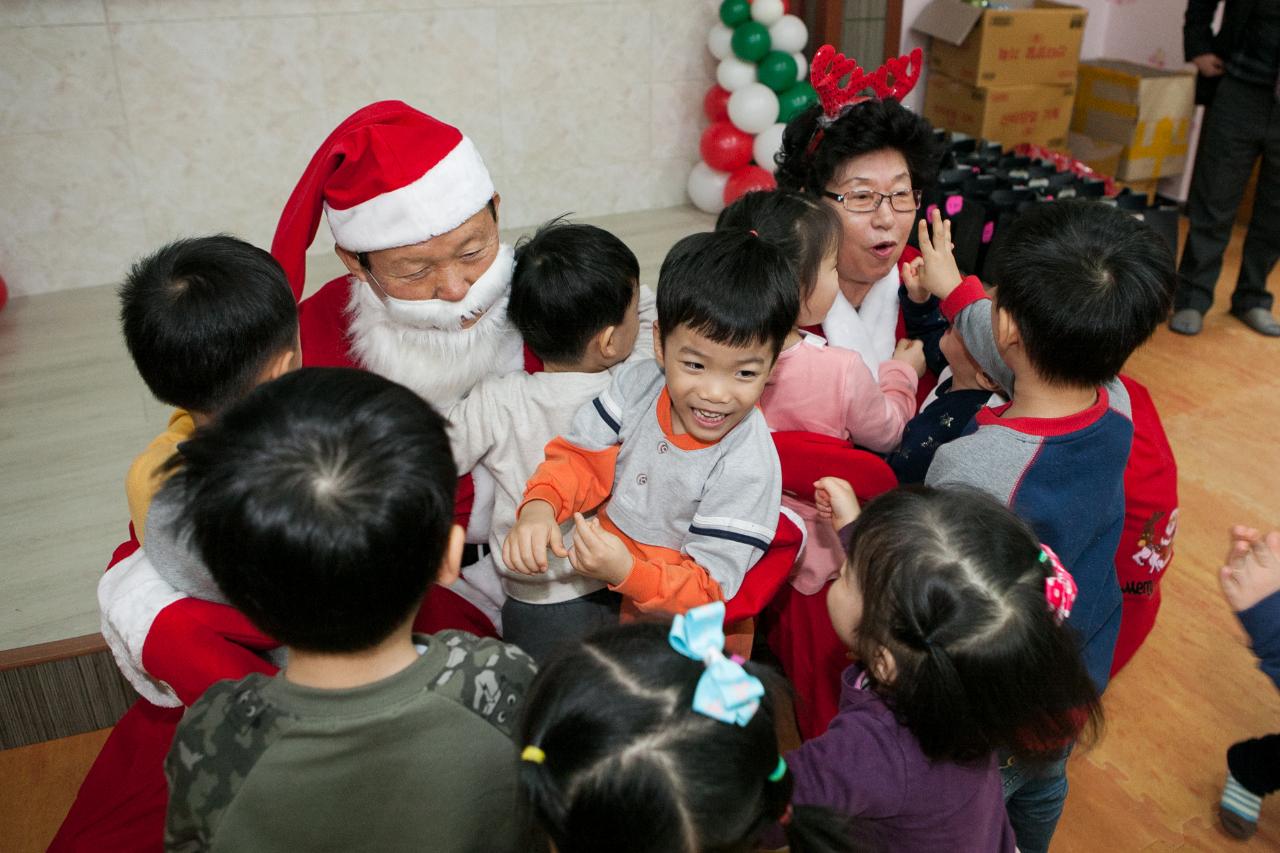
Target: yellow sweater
{"x":143,"y":480}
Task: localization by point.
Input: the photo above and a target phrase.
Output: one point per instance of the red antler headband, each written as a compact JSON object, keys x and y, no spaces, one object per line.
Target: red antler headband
{"x":829,"y":67}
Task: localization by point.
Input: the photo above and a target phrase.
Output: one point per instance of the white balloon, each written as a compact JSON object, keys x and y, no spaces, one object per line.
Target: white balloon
{"x":767,"y":143}
{"x":802,"y":66}
{"x":753,"y":108}
{"x":732,"y":73}
{"x":767,"y":12}
{"x":718,"y":41}
{"x":706,"y":188}
{"x":788,"y":33}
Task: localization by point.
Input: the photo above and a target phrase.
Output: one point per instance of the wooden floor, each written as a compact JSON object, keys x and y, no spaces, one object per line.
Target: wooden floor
{"x":1154,"y":780}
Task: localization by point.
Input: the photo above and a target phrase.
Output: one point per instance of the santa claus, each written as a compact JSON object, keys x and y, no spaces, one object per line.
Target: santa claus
{"x":414,"y":216}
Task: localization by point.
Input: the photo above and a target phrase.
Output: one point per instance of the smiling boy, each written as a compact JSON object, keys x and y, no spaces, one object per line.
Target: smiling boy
{"x":675,"y":445}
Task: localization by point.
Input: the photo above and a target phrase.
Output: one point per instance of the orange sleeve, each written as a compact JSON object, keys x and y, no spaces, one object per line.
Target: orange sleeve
{"x":572,"y":479}
{"x":673,"y":587}
{"x":662,"y":580}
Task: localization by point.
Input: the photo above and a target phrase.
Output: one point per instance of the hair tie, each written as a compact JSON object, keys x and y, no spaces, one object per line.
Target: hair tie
{"x":779,"y":771}
{"x":533,"y":754}
{"x":1060,"y":589}
{"x":754,"y":233}
{"x":725,"y":692}
{"x":787,"y":814}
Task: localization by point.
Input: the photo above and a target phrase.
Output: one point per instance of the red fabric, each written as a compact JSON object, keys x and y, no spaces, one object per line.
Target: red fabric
{"x":377,"y":149}
{"x":322,"y":326}
{"x":444,"y":610}
{"x":797,"y":627}
{"x":768,"y":575}
{"x":122,"y":801}
{"x":194,"y":643}
{"x":992,"y":416}
{"x":1150,"y":522}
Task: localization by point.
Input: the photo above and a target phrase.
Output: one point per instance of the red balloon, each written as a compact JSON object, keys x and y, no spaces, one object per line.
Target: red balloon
{"x":745,"y":180}
{"x":716,"y":103}
{"x":724,"y":147}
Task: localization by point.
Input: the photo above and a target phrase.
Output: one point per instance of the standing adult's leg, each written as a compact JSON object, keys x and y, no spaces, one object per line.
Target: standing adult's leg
{"x":1262,"y":243}
{"x":1230,"y":141}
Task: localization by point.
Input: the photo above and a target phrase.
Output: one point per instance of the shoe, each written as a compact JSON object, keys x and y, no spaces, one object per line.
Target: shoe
{"x":1258,"y":319}
{"x":1187,"y":321}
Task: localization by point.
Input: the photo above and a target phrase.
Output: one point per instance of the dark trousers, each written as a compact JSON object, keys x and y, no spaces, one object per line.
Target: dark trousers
{"x":1256,"y":764}
{"x":1242,"y":124}
{"x":541,"y":629}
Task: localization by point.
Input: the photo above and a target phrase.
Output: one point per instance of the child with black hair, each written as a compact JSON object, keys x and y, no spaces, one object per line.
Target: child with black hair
{"x":953,"y":610}
{"x":323,"y":505}
{"x":205,"y":320}
{"x":945,"y":412}
{"x":819,"y":388}
{"x":1079,"y":286}
{"x":1250,"y":582}
{"x":647,"y":739}
{"x":675,"y":445}
{"x":574,"y":298}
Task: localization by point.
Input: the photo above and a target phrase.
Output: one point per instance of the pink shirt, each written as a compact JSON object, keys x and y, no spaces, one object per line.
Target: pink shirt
{"x":829,"y":390}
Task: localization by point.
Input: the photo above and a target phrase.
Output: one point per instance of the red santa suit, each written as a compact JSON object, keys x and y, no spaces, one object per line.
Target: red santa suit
{"x":388,"y":176}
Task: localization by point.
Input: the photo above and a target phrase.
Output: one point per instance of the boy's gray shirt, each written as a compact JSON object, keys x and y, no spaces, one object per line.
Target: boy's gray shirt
{"x":174,"y":556}
{"x":718,"y":504}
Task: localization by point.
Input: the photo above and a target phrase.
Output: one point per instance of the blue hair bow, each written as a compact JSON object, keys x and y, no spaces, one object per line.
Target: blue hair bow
{"x":725,"y":692}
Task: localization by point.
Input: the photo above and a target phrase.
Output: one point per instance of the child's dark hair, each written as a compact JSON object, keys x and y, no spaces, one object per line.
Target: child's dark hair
{"x":322,"y":504}
{"x":203,"y":316}
{"x":1086,"y":283}
{"x":953,"y":588}
{"x":805,"y":229}
{"x":873,"y":125}
{"x":630,"y":767}
{"x":734,"y":287}
{"x":570,"y":282}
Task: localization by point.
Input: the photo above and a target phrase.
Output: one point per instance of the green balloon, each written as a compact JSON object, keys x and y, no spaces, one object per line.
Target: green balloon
{"x":734,"y":12}
{"x":777,"y":71}
{"x":750,"y":41}
{"x":796,"y":100}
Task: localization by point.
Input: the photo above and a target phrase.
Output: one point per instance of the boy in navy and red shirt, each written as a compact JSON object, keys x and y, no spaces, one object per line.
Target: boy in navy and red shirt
{"x":1079,"y":286}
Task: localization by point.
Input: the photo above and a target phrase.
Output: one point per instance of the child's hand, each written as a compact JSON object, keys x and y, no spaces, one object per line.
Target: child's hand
{"x":940,"y":275}
{"x":910,"y":353}
{"x":836,"y":501}
{"x":597,"y":553}
{"x":916,"y":291}
{"x":525,"y":548}
{"x":1252,"y":571}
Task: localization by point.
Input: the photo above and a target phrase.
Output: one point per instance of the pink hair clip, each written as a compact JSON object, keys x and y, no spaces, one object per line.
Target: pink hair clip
{"x":1060,"y":591}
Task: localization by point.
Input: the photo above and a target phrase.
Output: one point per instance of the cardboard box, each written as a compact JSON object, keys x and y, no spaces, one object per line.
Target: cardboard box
{"x":1039,"y":114}
{"x":1146,"y":110}
{"x":1036,"y":41}
{"x":1098,"y":154}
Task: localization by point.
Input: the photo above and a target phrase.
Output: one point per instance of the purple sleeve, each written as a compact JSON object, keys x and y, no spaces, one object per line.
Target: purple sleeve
{"x":1262,"y":621}
{"x":856,"y":767}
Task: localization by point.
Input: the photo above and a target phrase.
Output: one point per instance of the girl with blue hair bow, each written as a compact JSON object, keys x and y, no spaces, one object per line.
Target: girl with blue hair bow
{"x":645,"y":738}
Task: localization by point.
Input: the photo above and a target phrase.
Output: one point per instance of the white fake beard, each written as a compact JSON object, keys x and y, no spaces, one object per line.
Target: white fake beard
{"x":440,"y":364}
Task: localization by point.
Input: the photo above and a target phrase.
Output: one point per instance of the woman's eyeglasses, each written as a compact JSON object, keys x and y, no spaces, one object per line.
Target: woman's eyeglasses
{"x":866,"y":201}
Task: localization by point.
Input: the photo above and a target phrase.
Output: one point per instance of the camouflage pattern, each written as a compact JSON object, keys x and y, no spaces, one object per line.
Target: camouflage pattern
{"x":224,"y":734}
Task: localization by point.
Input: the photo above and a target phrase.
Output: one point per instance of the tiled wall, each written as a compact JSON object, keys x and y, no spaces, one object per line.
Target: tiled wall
{"x":125,"y":123}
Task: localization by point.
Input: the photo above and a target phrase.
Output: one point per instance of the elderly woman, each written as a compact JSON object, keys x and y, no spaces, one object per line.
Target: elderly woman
{"x":869,"y":158}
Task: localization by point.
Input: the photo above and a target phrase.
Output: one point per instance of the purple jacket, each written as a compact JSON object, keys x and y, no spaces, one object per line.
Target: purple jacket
{"x":870,"y":767}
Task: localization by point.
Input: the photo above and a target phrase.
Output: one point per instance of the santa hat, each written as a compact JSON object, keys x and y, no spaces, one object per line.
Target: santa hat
{"x":388,"y":176}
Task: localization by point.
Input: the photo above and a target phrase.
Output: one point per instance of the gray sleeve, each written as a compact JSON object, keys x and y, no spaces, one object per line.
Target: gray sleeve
{"x":598,"y":423}
{"x":974,"y":326}
{"x":738,"y":514}
{"x":173,"y":555}
{"x":990,"y":459}
{"x":470,"y":426}
{"x":648,"y":309}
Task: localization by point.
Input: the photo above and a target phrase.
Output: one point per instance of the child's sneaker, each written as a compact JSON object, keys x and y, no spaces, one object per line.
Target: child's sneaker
{"x":1239,"y":809}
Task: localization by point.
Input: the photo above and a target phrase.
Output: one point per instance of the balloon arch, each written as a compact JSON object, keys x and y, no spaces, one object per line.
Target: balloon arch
{"x":760,"y":86}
